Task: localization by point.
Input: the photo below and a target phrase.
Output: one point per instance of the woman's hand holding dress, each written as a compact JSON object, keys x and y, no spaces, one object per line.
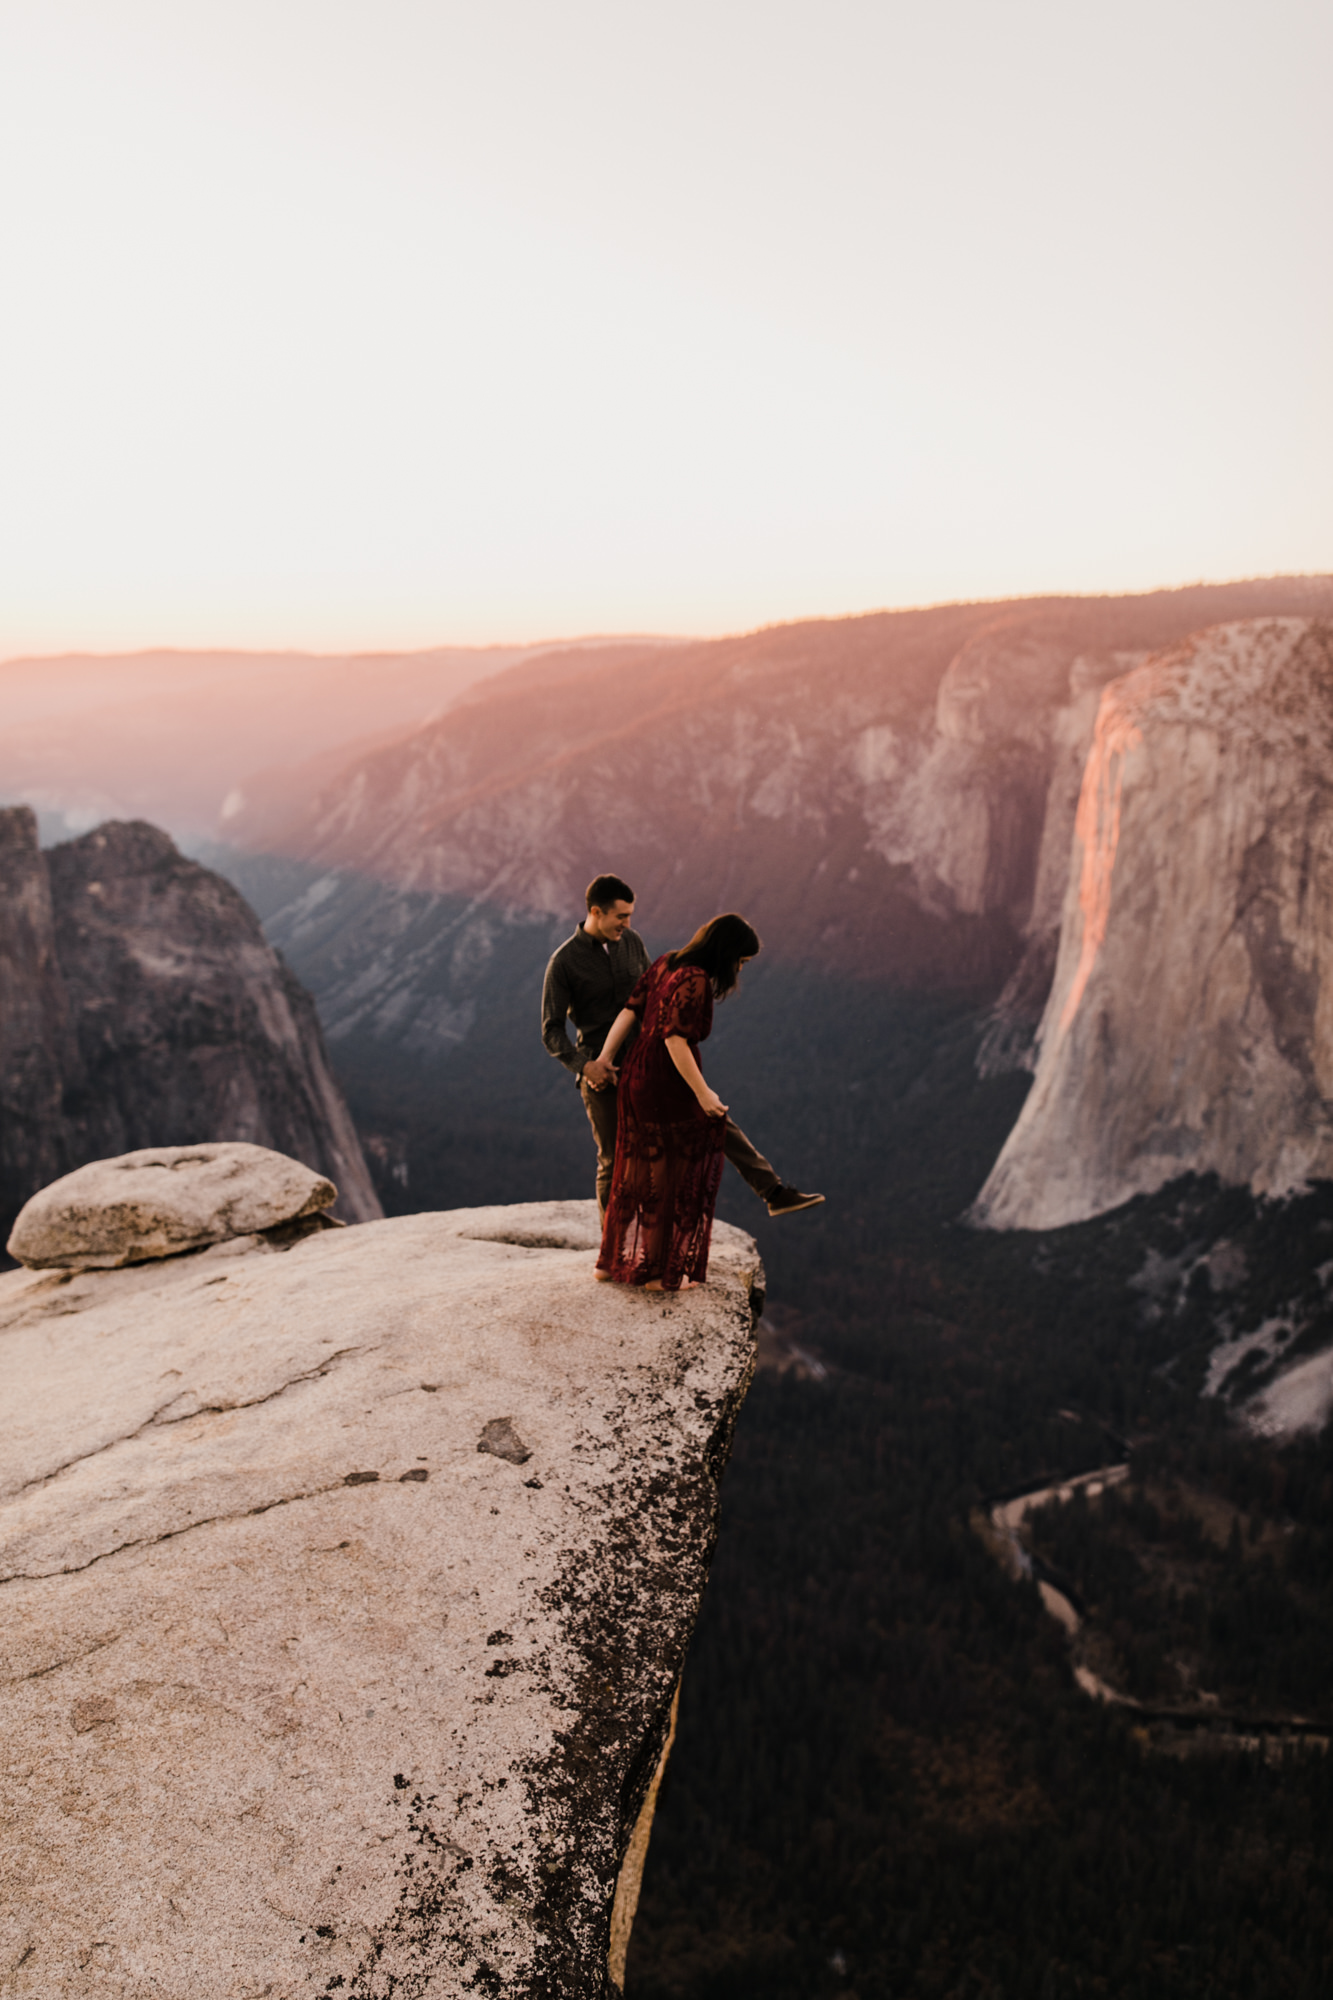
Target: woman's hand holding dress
{"x":683,"y":1056}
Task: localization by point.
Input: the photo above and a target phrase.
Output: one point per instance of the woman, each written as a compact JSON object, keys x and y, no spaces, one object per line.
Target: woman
{"x":671,"y":1126}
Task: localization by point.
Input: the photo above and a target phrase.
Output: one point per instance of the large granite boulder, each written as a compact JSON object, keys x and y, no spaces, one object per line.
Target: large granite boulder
{"x":160,"y":1201}
{"x":343,"y":1594}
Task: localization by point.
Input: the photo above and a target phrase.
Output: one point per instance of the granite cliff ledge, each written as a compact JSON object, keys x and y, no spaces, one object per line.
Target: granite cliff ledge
{"x":345,"y":1591}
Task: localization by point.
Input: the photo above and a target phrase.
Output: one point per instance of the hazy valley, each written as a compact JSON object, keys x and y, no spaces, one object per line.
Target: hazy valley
{"x":1044,"y":1010}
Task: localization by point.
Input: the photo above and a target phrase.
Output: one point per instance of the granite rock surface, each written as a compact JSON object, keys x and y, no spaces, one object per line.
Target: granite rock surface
{"x":345,"y":1590}
{"x":1190,"y":1024}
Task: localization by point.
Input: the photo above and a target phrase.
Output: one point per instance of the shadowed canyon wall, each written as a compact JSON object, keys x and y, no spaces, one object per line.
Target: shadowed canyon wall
{"x":143,"y":1007}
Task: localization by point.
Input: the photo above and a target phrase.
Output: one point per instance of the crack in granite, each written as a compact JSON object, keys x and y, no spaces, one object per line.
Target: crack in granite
{"x":160,"y":1421}
{"x":171,"y":1534}
{"x":69,"y":1660}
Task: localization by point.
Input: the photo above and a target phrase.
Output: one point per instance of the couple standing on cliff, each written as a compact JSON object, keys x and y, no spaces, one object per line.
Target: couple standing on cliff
{"x":662,"y":1133}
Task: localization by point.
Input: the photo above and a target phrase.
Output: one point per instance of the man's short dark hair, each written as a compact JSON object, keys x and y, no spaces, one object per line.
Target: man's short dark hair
{"x":604,"y":890}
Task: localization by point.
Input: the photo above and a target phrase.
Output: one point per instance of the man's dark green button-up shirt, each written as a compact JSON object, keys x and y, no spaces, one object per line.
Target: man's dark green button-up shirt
{"x":589,"y":982}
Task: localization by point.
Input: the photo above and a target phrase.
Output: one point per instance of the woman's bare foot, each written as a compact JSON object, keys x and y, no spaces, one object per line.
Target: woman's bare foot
{"x":602,"y":1277}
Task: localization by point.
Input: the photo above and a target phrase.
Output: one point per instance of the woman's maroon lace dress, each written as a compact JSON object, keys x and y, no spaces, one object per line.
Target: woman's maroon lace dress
{"x":668,"y":1151}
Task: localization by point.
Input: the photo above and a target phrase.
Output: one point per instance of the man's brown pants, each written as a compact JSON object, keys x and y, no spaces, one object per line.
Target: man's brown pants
{"x":600,"y":1106}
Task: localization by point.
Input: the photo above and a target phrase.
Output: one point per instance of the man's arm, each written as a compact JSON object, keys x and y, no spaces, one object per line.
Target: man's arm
{"x":556,"y":1000}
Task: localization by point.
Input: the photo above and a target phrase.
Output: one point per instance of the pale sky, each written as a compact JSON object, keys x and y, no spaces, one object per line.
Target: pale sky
{"x":361,"y":323}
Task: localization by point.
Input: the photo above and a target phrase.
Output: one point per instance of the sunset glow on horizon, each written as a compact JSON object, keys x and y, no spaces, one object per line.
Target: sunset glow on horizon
{"x":347,"y":327}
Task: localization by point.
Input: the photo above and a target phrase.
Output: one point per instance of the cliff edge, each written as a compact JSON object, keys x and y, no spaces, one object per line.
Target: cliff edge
{"x":1190,"y":1024}
{"x":345,"y":1590}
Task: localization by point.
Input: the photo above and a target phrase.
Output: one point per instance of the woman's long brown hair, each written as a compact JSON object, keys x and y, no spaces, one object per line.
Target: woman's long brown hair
{"x":718,"y":947}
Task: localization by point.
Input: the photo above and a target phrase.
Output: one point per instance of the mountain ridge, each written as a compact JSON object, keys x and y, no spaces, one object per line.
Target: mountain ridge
{"x":169,"y":734}
{"x":875,"y":791}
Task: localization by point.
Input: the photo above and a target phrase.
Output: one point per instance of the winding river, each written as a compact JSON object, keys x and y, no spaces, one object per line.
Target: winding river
{"x":1006,"y":1519}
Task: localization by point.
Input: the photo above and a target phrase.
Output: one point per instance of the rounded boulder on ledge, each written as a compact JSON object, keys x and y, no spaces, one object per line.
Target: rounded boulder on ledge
{"x":160,"y":1201}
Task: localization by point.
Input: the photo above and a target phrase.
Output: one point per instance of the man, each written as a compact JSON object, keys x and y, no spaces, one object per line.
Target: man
{"x":590,"y":978}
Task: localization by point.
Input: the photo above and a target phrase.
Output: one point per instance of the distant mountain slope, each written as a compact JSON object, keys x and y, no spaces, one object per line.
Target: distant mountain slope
{"x":143,"y":1007}
{"x":877,"y":793}
{"x":170,"y":735}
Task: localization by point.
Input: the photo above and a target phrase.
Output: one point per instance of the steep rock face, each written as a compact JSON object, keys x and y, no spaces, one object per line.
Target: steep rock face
{"x":889,"y":796}
{"x":1190,"y":1024}
{"x":340,"y":1628}
{"x":1010,"y":1040}
{"x":156,"y":1014}
{"x":36,"y":1045}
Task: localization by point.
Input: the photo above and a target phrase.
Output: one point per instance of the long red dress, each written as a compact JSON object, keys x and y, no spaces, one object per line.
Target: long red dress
{"x":659,"y":1218}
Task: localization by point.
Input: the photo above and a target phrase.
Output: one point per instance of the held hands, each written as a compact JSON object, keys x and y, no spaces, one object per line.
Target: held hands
{"x":711,"y":1103}
{"x":596,"y":1073}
